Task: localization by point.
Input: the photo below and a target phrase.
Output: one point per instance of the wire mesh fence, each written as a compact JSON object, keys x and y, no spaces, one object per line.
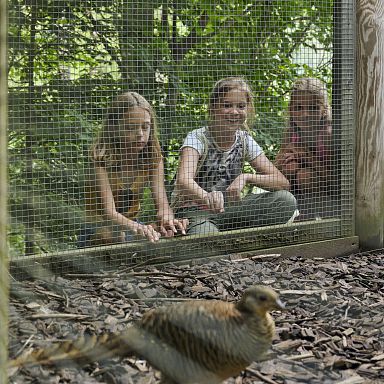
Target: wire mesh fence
{"x":131,"y":122}
{"x":4,"y":259}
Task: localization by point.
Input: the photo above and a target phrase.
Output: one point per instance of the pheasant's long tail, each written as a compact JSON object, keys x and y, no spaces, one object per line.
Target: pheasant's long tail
{"x":81,"y":351}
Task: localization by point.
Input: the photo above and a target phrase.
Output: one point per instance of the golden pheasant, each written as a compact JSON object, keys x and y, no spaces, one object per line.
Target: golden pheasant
{"x":201,"y":342}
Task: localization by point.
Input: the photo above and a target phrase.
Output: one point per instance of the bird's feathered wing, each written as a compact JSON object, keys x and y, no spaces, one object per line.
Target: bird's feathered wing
{"x":190,"y":342}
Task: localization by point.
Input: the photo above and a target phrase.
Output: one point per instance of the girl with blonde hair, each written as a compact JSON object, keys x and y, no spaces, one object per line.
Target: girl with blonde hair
{"x":126,"y":157}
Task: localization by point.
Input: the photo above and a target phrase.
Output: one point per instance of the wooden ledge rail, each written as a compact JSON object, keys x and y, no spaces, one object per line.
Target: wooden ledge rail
{"x":180,"y":249}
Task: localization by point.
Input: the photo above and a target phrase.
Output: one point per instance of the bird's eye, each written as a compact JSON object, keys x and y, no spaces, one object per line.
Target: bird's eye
{"x":262,"y":298}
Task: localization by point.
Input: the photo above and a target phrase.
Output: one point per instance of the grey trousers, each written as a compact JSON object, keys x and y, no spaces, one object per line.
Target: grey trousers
{"x":254,"y":210}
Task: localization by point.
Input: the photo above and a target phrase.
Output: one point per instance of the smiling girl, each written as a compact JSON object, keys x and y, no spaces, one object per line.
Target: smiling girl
{"x":210,"y":179}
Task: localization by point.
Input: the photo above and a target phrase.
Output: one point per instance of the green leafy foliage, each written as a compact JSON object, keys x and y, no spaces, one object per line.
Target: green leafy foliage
{"x":69,"y":58}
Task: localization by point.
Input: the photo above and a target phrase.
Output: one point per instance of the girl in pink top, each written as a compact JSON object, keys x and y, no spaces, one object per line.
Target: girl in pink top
{"x":306,"y":156}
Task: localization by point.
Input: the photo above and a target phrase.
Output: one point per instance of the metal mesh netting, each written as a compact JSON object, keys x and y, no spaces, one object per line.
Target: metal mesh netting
{"x":86,"y":79}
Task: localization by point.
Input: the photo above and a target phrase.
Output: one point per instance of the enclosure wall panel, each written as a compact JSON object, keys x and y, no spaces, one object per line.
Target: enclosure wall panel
{"x":231,"y":123}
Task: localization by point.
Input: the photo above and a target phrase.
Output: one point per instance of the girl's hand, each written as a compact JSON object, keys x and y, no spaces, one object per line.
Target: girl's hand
{"x":233,"y":192}
{"x":168,"y":226}
{"x":289,"y":163}
{"x":214,"y":201}
{"x":146,"y":231}
{"x":289,"y":157}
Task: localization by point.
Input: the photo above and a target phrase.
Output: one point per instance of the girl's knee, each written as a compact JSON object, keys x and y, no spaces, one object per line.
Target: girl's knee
{"x":202,"y":227}
{"x":270,"y":208}
{"x":286,"y":198}
{"x":287,"y":206}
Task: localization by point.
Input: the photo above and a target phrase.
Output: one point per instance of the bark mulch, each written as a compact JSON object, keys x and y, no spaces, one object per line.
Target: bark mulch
{"x":332,"y":331}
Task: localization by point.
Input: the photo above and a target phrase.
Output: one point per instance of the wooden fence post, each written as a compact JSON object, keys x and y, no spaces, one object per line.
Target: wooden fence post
{"x":370,"y":124}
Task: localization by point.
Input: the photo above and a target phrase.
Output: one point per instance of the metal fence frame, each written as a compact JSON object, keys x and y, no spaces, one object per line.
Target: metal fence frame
{"x":339,"y":231}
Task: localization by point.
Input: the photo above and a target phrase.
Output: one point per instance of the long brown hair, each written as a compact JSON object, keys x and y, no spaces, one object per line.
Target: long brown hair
{"x":316,"y":88}
{"x":107,"y":146}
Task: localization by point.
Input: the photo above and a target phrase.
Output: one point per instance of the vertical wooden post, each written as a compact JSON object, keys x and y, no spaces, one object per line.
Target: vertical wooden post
{"x":370,"y":124}
{"x":4,"y":262}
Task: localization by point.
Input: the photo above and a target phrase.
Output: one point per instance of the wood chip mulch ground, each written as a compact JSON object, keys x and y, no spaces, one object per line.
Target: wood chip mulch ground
{"x":332,"y":331}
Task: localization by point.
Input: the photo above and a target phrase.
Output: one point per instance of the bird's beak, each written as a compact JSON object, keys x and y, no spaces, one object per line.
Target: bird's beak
{"x":280,"y":304}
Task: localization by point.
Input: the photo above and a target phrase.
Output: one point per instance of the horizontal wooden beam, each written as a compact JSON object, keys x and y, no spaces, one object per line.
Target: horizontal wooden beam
{"x":182,"y":249}
{"x":313,"y":250}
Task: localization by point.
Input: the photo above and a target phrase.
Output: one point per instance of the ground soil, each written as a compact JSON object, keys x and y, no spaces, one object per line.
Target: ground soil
{"x":331,"y":332}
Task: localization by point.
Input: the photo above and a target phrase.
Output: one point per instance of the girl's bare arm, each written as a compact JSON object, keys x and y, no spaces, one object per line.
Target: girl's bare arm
{"x":109,"y":208}
{"x":268,"y":176}
{"x":213,"y":201}
{"x":168,"y":225}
